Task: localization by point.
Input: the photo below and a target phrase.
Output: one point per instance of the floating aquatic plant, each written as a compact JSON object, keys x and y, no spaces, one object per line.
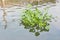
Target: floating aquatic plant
{"x":36,"y":20}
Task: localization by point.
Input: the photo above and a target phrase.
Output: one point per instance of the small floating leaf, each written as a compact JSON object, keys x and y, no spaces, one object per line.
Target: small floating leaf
{"x":37,"y":34}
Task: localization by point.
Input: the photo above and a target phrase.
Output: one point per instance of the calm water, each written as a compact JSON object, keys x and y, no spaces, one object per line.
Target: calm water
{"x":10,"y":29}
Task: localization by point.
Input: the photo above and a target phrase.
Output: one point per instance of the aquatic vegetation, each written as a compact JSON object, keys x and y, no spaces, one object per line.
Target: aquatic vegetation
{"x":36,"y":20}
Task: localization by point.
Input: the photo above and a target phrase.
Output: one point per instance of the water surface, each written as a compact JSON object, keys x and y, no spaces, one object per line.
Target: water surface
{"x":10,"y":29}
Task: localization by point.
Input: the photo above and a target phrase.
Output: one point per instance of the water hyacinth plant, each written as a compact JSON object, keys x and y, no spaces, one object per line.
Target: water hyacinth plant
{"x":36,"y":21}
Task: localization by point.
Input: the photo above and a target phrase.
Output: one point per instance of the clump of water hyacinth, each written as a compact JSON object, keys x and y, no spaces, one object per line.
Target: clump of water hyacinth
{"x":36,"y":21}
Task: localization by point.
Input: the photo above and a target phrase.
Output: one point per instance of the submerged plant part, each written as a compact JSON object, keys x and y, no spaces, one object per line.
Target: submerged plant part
{"x":36,"y":21}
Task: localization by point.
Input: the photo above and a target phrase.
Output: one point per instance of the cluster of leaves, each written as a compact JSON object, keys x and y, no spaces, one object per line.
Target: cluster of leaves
{"x":36,"y":21}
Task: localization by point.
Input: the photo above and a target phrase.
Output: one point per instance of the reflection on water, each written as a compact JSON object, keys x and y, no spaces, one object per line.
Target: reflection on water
{"x":4,"y":19}
{"x":42,"y":2}
{"x":4,"y":13}
{"x":25,"y":2}
{"x":15,"y":32}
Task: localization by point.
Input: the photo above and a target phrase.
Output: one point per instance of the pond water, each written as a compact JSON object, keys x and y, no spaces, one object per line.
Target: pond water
{"x":10,"y":29}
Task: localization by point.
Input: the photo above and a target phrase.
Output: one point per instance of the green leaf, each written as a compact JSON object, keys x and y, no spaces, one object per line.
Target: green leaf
{"x":37,"y":34}
{"x":29,"y":5}
{"x":47,"y":27}
{"x":32,"y":30}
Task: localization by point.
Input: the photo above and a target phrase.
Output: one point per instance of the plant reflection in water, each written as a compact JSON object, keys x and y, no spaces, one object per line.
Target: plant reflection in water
{"x":4,"y":13}
{"x":4,"y":19}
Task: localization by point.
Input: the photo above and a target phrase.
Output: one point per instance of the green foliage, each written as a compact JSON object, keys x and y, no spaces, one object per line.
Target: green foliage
{"x":36,"y":21}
